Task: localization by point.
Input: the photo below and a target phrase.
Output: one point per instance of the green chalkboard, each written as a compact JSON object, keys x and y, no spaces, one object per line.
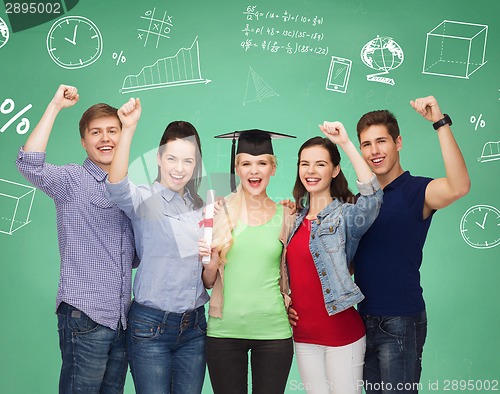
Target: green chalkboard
{"x":281,"y":65}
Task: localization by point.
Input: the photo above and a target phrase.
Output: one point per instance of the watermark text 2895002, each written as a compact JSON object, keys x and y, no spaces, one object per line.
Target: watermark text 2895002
{"x":33,"y":8}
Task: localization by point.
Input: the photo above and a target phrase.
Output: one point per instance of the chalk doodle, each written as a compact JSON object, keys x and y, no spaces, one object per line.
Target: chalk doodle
{"x":74,"y":42}
{"x":15,"y":207}
{"x":455,"y":49}
{"x":160,"y":28}
{"x":491,"y":152}
{"x":257,"y":89}
{"x":382,"y":54}
{"x":181,"y":69}
{"x":283,"y":32}
{"x":6,"y":108}
{"x":480,"y":226}
{"x":4,"y":33}
{"x":338,"y":74}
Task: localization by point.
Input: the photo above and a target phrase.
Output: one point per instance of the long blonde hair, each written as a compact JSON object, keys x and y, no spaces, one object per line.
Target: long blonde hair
{"x":227,"y":219}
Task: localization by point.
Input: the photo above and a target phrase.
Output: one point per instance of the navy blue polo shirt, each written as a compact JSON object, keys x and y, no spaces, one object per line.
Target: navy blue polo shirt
{"x":389,"y":256}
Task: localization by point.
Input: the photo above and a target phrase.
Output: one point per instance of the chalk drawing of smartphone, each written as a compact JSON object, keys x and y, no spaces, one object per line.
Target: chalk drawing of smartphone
{"x":338,"y":75}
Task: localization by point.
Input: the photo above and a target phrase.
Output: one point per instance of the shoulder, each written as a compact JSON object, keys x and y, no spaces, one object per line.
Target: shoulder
{"x":408,"y":185}
{"x":417,"y":180}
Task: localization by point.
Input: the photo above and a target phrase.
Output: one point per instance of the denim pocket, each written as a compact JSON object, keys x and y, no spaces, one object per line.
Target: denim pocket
{"x":202,"y":325}
{"x":332,"y":235}
{"x":420,"y":336}
{"x":394,"y":327}
{"x":80,"y":323}
{"x":144,"y":330}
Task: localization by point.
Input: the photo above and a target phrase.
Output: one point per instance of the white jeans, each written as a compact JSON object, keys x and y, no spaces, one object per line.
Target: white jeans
{"x":331,"y":370}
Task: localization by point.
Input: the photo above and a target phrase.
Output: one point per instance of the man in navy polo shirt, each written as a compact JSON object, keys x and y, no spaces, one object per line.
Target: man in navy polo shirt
{"x":389,"y":255}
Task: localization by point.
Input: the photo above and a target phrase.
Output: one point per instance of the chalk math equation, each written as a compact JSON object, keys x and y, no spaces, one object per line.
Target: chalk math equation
{"x":289,"y":48}
{"x":253,"y":14}
{"x":282,"y":32}
{"x":292,"y":33}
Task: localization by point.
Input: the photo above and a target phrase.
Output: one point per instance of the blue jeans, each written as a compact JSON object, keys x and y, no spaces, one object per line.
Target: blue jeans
{"x":94,"y":358}
{"x":166,"y":350}
{"x":393,"y":358}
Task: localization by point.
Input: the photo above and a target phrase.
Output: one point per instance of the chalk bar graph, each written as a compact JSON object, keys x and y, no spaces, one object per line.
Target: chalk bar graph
{"x":181,"y":69}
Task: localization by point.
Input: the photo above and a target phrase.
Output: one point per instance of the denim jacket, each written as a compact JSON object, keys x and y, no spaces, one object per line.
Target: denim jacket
{"x":335,"y":236}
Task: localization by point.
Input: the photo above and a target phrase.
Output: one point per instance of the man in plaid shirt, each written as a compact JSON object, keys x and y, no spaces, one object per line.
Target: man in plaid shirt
{"x":96,"y":245}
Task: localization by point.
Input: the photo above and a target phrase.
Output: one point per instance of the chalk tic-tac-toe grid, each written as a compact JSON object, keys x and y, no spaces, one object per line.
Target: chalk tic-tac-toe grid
{"x":160,"y":28}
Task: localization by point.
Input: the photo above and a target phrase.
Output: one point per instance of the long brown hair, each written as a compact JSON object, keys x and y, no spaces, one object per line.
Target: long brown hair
{"x":178,"y":130}
{"x":338,"y":186}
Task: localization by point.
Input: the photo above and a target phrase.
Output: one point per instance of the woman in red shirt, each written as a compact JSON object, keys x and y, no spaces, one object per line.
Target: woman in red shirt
{"x":330,"y":335}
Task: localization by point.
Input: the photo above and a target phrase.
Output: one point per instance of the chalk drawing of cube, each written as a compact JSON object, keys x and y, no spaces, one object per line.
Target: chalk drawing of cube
{"x":15,"y":205}
{"x":455,"y":49}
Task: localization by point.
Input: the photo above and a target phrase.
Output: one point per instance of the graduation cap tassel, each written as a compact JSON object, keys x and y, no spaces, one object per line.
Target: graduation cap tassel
{"x":231,"y":170}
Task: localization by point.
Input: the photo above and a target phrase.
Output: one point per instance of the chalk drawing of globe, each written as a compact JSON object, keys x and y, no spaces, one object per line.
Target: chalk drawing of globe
{"x":382,"y":54}
{"x":4,"y":33}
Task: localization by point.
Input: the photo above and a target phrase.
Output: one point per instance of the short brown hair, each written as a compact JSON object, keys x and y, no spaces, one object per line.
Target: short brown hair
{"x":381,"y":117}
{"x":96,"y":111}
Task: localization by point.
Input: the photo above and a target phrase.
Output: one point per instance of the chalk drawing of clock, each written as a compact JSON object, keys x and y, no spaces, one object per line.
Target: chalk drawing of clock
{"x":74,"y":42}
{"x":480,"y":226}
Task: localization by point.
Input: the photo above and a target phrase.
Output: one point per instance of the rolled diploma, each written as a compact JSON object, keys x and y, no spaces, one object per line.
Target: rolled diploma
{"x":208,"y":222}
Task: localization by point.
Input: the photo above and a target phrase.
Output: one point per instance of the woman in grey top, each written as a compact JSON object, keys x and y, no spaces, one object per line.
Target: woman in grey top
{"x":167,"y":326}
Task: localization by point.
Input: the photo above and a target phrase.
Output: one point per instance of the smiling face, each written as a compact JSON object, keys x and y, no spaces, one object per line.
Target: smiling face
{"x":381,"y":152}
{"x":254,"y":172}
{"x":100,"y":139}
{"x":316,"y":170}
{"x":177,"y":163}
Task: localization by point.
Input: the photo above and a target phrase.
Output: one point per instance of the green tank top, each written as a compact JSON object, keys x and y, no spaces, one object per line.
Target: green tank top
{"x":253,"y":304}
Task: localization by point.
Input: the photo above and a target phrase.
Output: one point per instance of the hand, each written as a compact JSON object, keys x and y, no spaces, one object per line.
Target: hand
{"x":73,"y":41}
{"x":205,"y":250}
{"x":290,"y":205}
{"x":130,"y":112}
{"x":219,"y":205}
{"x":66,"y":96}
{"x":293,"y":317}
{"x":335,"y":132}
{"x":428,"y":108}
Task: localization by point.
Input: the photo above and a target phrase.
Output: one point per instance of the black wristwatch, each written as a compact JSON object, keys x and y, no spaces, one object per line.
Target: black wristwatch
{"x":442,"y":122}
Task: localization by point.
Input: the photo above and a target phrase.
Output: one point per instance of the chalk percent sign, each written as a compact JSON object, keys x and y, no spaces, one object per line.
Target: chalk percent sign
{"x":119,"y":57}
{"x":478,"y":121}
{"x":6,"y":108}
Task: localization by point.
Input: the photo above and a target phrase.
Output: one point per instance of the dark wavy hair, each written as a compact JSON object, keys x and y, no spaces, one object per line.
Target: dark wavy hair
{"x":338,"y":186}
{"x":380,"y":117}
{"x":177,"y":130}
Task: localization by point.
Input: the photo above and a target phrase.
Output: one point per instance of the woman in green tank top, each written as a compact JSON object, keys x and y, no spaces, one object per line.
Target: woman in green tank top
{"x":247,"y":313}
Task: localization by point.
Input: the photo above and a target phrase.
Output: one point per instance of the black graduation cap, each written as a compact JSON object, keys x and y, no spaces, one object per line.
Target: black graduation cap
{"x":254,"y":142}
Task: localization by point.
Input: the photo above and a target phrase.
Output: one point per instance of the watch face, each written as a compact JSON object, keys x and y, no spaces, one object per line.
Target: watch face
{"x":74,"y":42}
{"x":446,"y":120}
{"x":480,"y":226}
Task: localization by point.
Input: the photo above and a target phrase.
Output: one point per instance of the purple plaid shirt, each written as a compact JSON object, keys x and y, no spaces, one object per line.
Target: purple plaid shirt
{"x":96,"y":242}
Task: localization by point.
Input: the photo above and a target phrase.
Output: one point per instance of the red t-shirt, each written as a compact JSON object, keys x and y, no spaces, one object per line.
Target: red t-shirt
{"x":315,"y":325}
